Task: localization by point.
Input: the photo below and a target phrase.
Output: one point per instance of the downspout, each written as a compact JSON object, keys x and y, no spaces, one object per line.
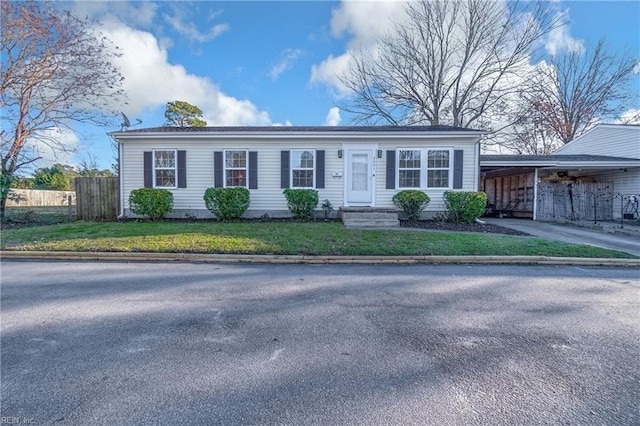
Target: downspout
{"x":535,"y":194}
{"x":120,"y":180}
{"x":477,"y":166}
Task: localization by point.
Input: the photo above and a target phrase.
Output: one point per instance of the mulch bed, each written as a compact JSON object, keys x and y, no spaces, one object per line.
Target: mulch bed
{"x":440,"y":225}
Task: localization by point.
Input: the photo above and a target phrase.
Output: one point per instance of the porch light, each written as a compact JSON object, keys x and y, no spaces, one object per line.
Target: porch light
{"x":339,"y":153}
{"x":379,"y":153}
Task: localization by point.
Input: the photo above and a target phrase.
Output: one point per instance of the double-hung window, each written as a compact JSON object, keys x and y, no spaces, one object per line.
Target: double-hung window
{"x":164,"y":168}
{"x":438,"y":167}
{"x":409,"y":168}
{"x":235,"y":168}
{"x":424,"y":168}
{"x":303,"y":168}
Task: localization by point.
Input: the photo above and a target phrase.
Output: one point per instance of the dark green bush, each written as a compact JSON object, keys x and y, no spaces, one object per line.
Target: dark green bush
{"x":465,"y":206}
{"x":411,"y":202}
{"x":151,"y":202}
{"x":301,"y":202}
{"x":227,"y":203}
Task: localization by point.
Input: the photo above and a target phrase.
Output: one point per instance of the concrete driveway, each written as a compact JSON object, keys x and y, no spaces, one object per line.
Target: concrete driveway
{"x":158,"y":343}
{"x":572,"y":234}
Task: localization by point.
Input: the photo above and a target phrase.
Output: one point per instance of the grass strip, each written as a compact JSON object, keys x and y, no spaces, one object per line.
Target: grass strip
{"x":291,"y":238}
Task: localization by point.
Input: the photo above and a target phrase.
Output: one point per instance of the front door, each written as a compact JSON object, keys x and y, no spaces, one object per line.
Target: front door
{"x":360,"y":181}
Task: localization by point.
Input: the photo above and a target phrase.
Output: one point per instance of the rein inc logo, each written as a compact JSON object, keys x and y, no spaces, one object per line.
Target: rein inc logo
{"x":16,"y":420}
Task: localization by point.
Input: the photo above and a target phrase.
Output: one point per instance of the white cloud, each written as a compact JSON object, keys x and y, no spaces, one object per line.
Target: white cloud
{"x":53,"y":145}
{"x":138,"y":14}
{"x":285,"y":62}
{"x":182,"y":23}
{"x":366,"y":23}
{"x":330,"y":71}
{"x":151,"y":81}
{"x":333,"y":117}
{"x":630,"y":116}
{"x":560,"y":39}
{"x":287,"y":123}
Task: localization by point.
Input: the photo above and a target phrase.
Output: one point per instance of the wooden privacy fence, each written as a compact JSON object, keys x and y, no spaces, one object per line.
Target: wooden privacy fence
{"x":512,"y":193}
{"x":592,"y":201}
{"x":39,"y":198}
{"x":97,"y":197}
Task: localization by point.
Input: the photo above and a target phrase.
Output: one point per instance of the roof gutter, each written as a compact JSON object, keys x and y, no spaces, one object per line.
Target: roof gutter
{"x":296,"y":135}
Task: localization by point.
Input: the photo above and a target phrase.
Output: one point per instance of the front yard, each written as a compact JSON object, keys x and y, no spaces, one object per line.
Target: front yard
{"x":289,"y":238}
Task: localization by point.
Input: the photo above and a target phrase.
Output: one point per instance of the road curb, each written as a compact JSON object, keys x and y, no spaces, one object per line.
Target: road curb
{"x":304,"y":259}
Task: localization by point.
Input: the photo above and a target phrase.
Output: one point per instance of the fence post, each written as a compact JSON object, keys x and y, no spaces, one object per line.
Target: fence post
{"x":69,"y":206}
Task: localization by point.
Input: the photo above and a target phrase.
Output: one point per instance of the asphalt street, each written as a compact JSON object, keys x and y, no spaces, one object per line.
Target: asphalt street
{"x":179,"y":343}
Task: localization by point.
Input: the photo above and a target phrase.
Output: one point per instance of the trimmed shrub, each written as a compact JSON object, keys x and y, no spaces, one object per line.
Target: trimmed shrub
{"x":151,"y":202}
{"x":227,"y":203}
{"x":301,"y":202}
{"x":411,"y":202}
{"x":465,"y":206}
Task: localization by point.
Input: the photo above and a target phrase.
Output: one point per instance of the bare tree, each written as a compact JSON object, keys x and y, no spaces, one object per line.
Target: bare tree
{"x":452,"y":62}
{"x":56,"y":69}
{"x":530,"y":132}
{"x":580,"y":89}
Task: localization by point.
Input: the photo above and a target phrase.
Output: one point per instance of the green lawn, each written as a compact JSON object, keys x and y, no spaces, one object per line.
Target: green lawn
{"x":315,"y":238}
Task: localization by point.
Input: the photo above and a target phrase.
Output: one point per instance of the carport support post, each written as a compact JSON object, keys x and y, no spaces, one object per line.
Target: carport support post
{"x":535,"y":194}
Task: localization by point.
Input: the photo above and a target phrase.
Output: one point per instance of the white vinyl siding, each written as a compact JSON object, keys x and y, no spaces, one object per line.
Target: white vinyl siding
{"x":608,"y":140}
{"x":470,"y":176}
{"x":200,"y":171}
{"x":269,"y":197}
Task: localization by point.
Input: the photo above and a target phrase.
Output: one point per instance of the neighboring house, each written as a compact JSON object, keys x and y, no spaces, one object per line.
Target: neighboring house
{"x":349,"y":166}
{"x":617,"y":140}
{"x":594,"y":177}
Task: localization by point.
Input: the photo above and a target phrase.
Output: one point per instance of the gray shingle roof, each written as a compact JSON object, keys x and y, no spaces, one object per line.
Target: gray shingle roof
{"x":516,"y":159}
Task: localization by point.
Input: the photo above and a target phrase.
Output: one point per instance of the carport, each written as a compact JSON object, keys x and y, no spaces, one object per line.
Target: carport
{"x":560,"y":187}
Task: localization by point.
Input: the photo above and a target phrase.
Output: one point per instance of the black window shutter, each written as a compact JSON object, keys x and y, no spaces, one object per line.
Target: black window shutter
{"x":148,"y":169}
{"x":182,"y":169}
{"x":218,"y":172}
{"x":319,"y":169}
{"x":284,"y":169}
{"x":253,"y":170}
{"x":391,"y":169}
{"x":457,"y":168}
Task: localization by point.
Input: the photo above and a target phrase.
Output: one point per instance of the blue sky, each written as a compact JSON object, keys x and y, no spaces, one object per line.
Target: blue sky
{"x":273,"y":63}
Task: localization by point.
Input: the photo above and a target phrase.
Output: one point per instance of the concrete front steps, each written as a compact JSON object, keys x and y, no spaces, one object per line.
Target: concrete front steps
{"x":369,"y":217}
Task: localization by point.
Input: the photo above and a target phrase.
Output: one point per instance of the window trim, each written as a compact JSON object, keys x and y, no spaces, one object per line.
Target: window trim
{"x":409,"y":168}
{"x":449,"y":169}
{"x":313,"y":169}
{"x":225,"y":168}
{"x":174,"y":168}
{"x":424,"y":168}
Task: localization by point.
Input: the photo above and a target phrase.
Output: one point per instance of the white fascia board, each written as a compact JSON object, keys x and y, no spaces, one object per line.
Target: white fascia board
{"x":502,"y":163}
{"x":472,"y":136}
{"x":562,"y":164}
{"x":598,"y":164}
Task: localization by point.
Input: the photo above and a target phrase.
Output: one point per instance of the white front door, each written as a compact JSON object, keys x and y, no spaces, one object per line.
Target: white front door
{"x":360,"y":181}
